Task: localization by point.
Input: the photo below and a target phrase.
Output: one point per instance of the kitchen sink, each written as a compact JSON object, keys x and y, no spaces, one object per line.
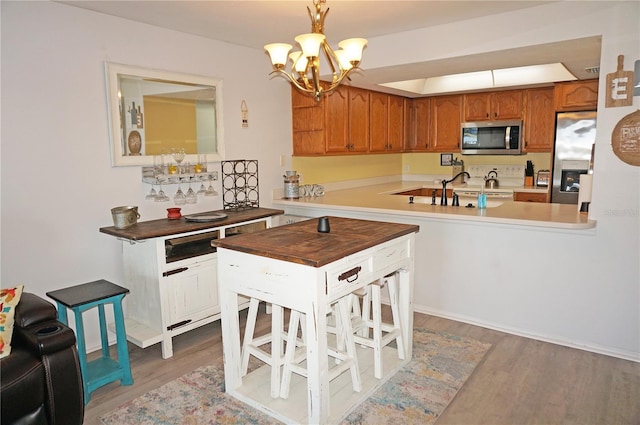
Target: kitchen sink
{"x":474,"y":201}
{"x":464,"y":201}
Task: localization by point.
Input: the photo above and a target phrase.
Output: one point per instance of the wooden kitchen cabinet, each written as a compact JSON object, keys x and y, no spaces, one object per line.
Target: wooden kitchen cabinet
{"x":446,"y":116}
{"x":386,"y":120}
{"x":530,"y":197}
{"x":539,"y":120}
{"x":336,"y":120}
{"x":339,"y":123}
{"x":378,"y":121}
{"x":358,"y":120}
{"x":352,"y":120}
{"x":417,"y":122}
{"x":346,"y":120}
{"x":396,"y":124}
{"x":576,"y":96}
{"x":308,"y":118}
{"x":502,"y":105}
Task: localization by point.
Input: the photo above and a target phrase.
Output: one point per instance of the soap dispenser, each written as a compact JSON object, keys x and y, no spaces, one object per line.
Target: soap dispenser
{"x":482,"y":199}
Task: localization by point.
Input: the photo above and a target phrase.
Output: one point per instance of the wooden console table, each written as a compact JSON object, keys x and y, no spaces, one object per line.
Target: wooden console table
{"x":296,"y":267}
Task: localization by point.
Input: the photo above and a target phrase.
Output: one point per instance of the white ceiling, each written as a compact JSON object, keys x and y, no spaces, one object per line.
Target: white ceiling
{"x":255,"y":23}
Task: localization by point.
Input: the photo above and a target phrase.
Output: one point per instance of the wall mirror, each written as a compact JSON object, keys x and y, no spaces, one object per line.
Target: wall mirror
{"x":153,"y":113}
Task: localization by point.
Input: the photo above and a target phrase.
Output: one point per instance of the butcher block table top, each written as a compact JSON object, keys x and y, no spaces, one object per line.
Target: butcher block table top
{"x":165,"y":227}
{"x":302,"y":243}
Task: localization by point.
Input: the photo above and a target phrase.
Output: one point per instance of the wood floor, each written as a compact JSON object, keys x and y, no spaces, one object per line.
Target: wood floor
{"x":520,"y":381}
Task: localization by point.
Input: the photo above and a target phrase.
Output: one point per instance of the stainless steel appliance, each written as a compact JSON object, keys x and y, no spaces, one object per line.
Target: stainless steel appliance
{"x":492,"y":138}
{"x":575,"y":137}
{"x":543,"y":178}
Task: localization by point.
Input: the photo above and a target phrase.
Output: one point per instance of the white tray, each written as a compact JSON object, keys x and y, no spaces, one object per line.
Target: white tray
{"x":205,"y":217}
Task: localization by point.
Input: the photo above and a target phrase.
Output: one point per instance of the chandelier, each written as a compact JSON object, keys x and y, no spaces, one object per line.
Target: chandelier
{"x":304,"y":72}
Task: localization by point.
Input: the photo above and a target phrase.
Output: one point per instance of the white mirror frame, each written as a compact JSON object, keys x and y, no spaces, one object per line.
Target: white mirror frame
{"x":113,"y":70}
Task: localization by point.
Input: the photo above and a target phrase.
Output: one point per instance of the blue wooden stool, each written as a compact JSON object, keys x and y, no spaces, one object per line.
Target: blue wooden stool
{"x":80,"y":298}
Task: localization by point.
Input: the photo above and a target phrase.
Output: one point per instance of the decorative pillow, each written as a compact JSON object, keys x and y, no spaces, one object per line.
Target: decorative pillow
{"x":9,"y":299}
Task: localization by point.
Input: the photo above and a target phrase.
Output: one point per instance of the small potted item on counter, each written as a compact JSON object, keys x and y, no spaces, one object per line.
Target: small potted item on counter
{"x":173,"y":213}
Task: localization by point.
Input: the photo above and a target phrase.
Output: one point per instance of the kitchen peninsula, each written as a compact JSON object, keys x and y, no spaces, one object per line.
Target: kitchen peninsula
{"x":498,"y":268}
{"x":383,"y":199}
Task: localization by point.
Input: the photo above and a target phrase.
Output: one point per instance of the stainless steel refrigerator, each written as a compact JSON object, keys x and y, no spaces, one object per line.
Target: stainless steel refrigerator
{"x":573,"y":154}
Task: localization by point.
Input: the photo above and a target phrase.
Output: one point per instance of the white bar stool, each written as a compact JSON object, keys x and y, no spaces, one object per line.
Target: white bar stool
{"x":344,"y":359}
{"x":251,"y":346}
{"x":371,"y":321}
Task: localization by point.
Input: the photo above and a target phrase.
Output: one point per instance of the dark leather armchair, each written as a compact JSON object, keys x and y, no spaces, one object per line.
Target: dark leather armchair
{"x":40,"y":380}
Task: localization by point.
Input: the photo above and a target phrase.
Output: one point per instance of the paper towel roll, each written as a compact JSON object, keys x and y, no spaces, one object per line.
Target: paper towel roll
{"x":586,"y":182}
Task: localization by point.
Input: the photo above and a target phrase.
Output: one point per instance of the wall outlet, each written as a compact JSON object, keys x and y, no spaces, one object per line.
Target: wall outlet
{"x":283,"y":160}
{"x":407,"y":168}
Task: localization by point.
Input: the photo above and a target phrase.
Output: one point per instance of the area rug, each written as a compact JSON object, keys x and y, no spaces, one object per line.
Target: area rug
{"x":417,"y":394}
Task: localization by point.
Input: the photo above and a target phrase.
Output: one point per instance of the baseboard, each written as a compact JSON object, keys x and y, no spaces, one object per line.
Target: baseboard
{"x":594,"y":348}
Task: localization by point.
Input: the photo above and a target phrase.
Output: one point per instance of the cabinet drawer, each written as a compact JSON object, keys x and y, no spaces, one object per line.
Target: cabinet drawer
{"x":349,"y":275}
{"x":193,"y":246}
{"x":356,"y":271}
{"x":530,"y":197}
{"x":391,"y":255}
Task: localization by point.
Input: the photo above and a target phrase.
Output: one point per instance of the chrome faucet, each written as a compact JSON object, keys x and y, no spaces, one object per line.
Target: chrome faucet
{"x":443,"y":198}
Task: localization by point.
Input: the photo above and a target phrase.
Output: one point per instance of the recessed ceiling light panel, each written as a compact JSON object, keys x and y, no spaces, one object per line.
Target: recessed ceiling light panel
{"x":458,"y":82}
{"x":506,"y":77}
{"x":534,"y":74}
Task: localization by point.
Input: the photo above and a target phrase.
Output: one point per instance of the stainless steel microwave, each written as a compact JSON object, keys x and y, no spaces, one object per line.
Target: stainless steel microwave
{"x":492,"y":138}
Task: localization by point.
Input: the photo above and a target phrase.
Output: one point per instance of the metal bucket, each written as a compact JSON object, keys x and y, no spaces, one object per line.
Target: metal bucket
{"x":124,"y":217}
{"x":291,"y":185}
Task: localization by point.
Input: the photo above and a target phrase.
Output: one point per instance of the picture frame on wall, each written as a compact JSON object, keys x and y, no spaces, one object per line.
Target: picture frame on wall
{"x":446,"y":159}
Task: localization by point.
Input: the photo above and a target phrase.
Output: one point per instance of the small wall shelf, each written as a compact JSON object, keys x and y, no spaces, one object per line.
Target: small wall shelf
{"x":150,"y":177}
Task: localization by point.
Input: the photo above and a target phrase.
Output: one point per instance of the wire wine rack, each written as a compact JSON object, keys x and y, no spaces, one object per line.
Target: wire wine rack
{"x":240,"y":184}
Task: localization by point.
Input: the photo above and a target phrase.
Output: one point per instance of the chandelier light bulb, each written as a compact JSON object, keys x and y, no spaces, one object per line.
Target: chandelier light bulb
{"x":278,"y":53}
{"x":310,"y":44}
{"x":353,"y":47}
{"x":343,"y":60}
{"x":298,"y":63}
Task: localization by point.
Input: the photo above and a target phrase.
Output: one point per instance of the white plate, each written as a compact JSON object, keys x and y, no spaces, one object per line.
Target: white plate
{"x":205,"y":217}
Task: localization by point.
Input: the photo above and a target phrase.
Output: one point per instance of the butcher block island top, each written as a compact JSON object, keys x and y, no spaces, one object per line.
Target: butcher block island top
{"x":165,"y":227}
{"x":301,"y":242}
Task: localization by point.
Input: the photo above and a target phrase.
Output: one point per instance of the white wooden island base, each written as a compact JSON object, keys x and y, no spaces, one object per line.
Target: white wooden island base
{"x":296,"y":267}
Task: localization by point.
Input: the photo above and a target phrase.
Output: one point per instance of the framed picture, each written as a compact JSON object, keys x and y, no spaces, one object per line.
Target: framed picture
{"x":446,"y":159}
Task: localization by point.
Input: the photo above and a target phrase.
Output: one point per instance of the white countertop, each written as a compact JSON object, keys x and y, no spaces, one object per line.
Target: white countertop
{"x":379,"y":198}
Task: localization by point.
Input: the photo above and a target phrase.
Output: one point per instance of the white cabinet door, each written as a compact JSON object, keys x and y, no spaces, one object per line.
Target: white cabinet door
{"x":192,"y":294}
